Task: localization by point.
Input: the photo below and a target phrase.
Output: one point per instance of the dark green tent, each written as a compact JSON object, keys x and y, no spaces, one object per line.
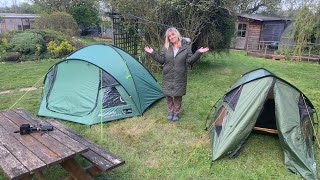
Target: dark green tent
{"x":260,"y":100}
{"x":98,"y":83}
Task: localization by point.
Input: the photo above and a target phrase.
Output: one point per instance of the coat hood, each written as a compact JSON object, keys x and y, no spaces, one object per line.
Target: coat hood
{"x":185,"y":41}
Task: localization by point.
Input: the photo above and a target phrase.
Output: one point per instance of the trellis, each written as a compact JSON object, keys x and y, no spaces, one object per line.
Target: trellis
{"x":127,"y":39}
{"x":130,"y":40}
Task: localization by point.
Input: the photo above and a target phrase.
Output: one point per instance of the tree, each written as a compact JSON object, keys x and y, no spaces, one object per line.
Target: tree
{"x":28,"y":8}
{"x":307,"y":26}
{"x":191,"y":17}
{"x":86,"y":13}
{"x":58,"y":21}
{"x":49,"y":6}
{"x":254,"y":6}
{"x":24,"y":8}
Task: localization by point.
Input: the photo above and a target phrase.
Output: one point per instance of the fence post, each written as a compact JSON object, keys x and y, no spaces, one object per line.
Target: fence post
{"x":265,"y":51}
{"x":309,"y":55}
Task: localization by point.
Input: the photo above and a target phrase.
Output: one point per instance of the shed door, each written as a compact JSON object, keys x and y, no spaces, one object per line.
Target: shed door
{"x":241,"y":36}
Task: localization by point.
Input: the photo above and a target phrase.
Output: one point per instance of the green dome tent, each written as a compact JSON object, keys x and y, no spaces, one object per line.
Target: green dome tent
{"x":98,"y":83}
{"x":262,"y":101}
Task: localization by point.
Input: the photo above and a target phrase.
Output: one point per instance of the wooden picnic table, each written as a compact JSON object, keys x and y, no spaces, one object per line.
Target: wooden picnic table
{"x":23,"y":156}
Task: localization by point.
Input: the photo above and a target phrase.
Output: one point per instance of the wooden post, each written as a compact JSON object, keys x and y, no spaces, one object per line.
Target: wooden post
{"x":39,"y":175}
{"x":265,"y":51}
{"x":93,"y":170}
{"x":22,"y":24}
{"x":28,"y":177}
{"x":75,"y":170}
{"x":309,"y":55}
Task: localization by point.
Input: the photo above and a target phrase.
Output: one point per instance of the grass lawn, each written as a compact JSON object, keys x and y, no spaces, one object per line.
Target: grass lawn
{"x":155,"y":148}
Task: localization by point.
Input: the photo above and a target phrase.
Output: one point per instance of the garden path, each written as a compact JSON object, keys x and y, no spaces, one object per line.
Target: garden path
{"x":19,"y":90}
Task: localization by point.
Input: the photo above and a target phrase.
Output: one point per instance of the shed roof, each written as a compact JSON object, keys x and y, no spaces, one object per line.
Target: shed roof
{"x":15,"y":15}
{"x":260,"y":17}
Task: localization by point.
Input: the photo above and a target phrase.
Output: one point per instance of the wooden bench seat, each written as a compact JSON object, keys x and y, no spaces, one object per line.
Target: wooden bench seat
{"x":101,"y":160}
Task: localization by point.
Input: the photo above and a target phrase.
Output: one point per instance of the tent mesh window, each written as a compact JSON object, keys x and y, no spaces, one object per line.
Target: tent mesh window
{"x":51,"y":77}
{"x":112,"y":98}
{"x":232,"y":97}
{"x":306,"y":129}
{"x":52,"y":74}
{"x":306,"y":114}
{"x":220,"y":118}
{"x":304,"y":108}
{"x":108,"y":80}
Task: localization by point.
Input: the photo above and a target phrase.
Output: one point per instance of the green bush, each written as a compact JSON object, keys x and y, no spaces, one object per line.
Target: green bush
{"x":26,"y":42}
{"x":49,"y":35}
{"x":60,"y":50}
{"x":77,"y":43}
{"x":11,"y":56}
{"x":32,"y":44}
{"x":58,"y":21}
{"x":315,"y":50}
{"x":3,"y":46}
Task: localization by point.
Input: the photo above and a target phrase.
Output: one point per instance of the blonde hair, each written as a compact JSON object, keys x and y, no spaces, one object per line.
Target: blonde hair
{"x":176,"y":32}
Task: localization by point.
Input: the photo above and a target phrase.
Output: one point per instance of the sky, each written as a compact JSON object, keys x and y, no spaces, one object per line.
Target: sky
{"x":8,"y":3}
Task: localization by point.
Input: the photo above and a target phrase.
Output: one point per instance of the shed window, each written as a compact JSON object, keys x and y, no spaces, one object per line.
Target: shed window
{"x":242,"y":28}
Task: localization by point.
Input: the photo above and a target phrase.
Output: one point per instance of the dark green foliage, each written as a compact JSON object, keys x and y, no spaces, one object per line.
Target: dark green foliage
{"x":49,"y":35}
{"x":11,"y":56}
{"x":307,"y":27}
{"x":85,"y":13}
{"x":217,"y":36}
{"x":26,"y":42}
{"x":58,"y":21}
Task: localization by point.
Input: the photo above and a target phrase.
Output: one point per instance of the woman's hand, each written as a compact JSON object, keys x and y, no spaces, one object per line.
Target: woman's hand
{"x":148,"y":49}
{"x":203,"y":50}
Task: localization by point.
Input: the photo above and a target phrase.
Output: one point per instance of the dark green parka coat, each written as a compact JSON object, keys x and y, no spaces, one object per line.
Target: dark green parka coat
{"x":175,"y":68}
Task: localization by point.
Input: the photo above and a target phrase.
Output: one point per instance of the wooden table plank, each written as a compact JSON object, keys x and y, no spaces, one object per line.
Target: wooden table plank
{"x":56,"y":133}
{"x":10,"y":165}
{"x":42,"y":152}
{"x":106,"y":154}
{"x":18,"y":150}
{"x":98,"y":162}
{"x":55,"y":146}
{"x":21,"y":156}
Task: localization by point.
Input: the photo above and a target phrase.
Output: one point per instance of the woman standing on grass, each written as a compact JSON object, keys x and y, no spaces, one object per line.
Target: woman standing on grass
{"x":175,"y":56}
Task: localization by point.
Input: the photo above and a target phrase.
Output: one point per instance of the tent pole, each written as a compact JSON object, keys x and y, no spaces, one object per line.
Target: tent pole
{"x":272,"y":131}
{"x":206,"y":127}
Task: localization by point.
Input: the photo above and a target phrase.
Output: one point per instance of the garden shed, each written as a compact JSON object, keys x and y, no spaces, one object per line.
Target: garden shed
{"x":14,"y":21}
{"x":254,"y":31}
